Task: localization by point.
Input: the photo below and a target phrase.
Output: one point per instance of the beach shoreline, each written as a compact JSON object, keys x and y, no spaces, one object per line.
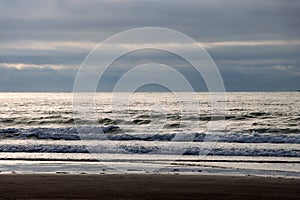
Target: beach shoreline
{"x":145,"y":186}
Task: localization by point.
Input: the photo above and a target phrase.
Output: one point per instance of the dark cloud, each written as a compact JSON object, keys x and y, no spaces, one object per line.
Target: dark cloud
{"x":36,"y":80}
{"x":41,"y":33}
{"x":203,"y":20}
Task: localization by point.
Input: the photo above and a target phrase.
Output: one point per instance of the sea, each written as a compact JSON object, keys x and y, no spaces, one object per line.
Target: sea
{"x":151,"y":132}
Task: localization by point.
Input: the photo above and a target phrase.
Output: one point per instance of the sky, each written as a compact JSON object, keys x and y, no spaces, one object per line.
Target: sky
{"x":254,"y":43}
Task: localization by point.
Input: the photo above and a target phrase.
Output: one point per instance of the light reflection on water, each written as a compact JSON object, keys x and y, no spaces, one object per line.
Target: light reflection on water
{"x":249,"y":116}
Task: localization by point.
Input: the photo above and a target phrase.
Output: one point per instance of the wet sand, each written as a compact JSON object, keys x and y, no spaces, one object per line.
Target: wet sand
{"x":134,"y":186}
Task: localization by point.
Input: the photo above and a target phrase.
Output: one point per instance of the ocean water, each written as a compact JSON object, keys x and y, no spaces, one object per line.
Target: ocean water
{"x":151,"y":132}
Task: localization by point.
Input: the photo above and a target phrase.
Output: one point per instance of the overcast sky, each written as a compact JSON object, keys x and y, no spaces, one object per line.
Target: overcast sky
{"x":254,"y":43}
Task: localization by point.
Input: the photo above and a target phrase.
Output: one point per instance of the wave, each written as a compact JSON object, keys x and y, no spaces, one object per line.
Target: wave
{"x":113,"y":133}
{"x":69,"y":133}
{"x":57,"y":119}
{"x":140,"y":149}
{"x":65,"y":117}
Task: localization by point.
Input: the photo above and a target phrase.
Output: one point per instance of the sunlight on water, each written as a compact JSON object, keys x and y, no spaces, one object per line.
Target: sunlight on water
{"x":40,"y":127}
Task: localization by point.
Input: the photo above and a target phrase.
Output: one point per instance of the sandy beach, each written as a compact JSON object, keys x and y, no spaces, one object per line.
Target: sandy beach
{"x":151,"y":186}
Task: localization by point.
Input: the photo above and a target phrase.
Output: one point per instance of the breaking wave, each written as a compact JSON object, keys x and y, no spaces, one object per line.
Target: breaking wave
{"x":113,"y":133}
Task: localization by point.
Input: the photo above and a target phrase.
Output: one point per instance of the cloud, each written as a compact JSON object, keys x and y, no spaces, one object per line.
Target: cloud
{"x":21,"y":66}
{"x":248,"y":40}
{"x":33,"y":80}
{"x":69,"y":46}
{"x":283,"y":67}
{"x":203,"y":20}
{"x":87,"y":46}
{"x":254,"y":43}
